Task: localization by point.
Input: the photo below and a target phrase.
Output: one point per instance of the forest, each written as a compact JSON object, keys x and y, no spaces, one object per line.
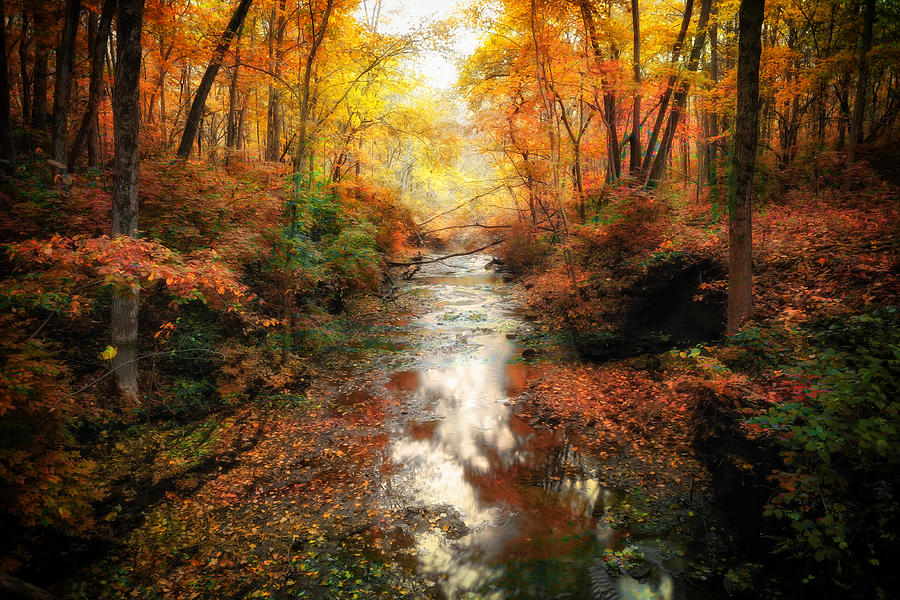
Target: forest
{"x":463,"y":299}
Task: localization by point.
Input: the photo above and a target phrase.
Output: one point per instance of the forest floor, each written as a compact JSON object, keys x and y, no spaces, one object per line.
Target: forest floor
{"x":277,"y":495}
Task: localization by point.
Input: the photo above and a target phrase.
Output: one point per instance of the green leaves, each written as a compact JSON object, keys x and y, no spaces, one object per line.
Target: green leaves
{"x":839,"y":435}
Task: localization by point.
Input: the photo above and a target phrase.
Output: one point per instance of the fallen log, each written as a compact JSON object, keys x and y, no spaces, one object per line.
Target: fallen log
{"x":446,"y":256}
{"x":13,"y":587}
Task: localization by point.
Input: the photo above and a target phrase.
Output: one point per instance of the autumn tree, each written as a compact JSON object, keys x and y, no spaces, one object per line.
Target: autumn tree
{"x":312,"y":38}
{"x":669,"y":88}
{"x":277,"y":25}
{"x":43,"y":28}
{"x":609,"y":108}
{"x":658,"y":165}
{"x":99,"y":43}
{"x":65,"y":58}
{"x":635,"y":138}
{"x":862,"y":82}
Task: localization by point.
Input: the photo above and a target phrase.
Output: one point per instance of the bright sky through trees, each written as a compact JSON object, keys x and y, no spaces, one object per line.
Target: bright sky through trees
{"x":440,"y":68}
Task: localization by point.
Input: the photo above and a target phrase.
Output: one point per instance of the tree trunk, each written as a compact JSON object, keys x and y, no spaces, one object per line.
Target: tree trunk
{"x":65,"y":62}
{"x":299,"y":160}
{"x":98,"y":54}
{"x":278,"y":24}
{"x":43,"y":25}
{"x":609,"y":116}
{"x":126,"y":127}
{"x":575,"y":139}
{"x":613,"y":153}
{"x":92,"y":136}
{"x":300,"y":151}
{"x":712,"y":145}
{"x":93,"y":145}
{"x":554,"y":148}
{"x":701,"y":146}
{"x":242,"y":113}
{"x":199,"y":104}
{"x":231,"y":127}
{"x":164,"y":53}
{"x":746,"y":134}
{"x":635,"y":159}
{"x":7,"y":154}
{"x":843,"y":110}
{"x":862,"y":83}
{"x":23,"y":67}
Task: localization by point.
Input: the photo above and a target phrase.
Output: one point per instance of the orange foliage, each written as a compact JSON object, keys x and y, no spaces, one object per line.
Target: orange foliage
{"x":69,"y":264}
{"x":615,"y":412}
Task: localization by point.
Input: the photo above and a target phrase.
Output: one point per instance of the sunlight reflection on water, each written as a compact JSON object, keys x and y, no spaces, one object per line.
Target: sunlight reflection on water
{"x":528,"y":500}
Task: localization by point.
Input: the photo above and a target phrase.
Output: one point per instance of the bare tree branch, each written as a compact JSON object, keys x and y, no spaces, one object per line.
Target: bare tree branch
{"x":446,"y":256}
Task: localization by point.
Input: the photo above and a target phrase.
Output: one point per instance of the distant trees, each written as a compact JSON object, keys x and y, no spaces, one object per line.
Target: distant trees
{"x":820,"y":81}
{"x":199,"y":103}
{"x":651,"y":94}
{"x":571,"y":97}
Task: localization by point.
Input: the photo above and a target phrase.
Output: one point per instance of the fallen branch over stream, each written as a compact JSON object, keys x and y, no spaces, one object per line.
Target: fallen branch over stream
{"x":446,"y":256}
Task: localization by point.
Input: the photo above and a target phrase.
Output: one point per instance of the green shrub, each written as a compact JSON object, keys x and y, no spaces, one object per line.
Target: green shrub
{"x":839,"y":438}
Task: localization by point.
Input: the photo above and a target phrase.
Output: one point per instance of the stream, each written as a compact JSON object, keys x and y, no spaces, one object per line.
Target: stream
{"x":494,"y":506}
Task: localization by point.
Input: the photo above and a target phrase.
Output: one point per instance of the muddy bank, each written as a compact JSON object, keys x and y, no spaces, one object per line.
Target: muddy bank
{"x":670,"y":305}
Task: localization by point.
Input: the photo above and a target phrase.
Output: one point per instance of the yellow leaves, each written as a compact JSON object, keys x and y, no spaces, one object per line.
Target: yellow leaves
{"x":109,"y":353}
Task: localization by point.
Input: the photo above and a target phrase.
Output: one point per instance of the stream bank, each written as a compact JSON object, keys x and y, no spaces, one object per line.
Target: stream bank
{"x":448,"y":451}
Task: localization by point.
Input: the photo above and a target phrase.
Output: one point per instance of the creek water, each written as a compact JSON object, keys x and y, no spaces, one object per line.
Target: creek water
{"x":496,"y":507}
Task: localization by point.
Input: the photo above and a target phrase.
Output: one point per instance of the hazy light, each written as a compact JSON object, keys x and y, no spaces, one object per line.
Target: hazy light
{"x":404,"y":16}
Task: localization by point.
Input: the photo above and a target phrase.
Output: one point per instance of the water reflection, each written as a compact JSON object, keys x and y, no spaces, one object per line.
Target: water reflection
{"x":522,"y":495}
{"x":472,"y":437}
{"x":528,"y":503}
